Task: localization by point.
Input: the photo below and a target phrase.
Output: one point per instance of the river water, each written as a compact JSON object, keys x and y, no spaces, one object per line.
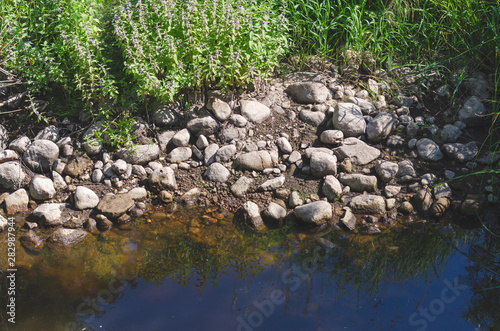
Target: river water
{"x":193,"y":270}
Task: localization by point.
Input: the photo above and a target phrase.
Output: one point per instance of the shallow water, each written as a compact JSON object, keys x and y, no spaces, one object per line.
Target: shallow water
{"x":201,"y":271}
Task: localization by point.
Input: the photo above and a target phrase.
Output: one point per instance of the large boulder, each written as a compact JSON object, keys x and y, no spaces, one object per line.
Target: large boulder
{"x":203,"y":125}
{"x":12,"y":176}
{"x":315,"y":213}
{"x":50,"y":213}
{"x":323,"y":164}
{"x":17,"y":202}
{"x":114,"y":206}
{"x":139,"y":154}
{"x":216,"y":172}
{"x":85,"y":198}
{"x":258,"y":161}
{"x":357,"y":151}
{"x":332,"y":189}
{"x":368,"y":204}
{"x":161,"y":179}
{"x":308,"y":92}
{"x":42,"y":188}
{"x":254,"y":111}
{"x":67,"y":237}
{"x":473,"y":112}
{"x":41,"y":155}
{"x":359,"y":183}
{"x":429,"y":150}
{"x":380,"y":127}
{"x":349,"y":119}
{"x":461,"y":152}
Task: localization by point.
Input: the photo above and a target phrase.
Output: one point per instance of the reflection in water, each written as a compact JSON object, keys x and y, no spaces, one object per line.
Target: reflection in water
{"x":190,"y":270}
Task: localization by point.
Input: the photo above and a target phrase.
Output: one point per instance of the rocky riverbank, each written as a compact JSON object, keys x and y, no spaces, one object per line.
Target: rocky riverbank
{"x":308,"y":148}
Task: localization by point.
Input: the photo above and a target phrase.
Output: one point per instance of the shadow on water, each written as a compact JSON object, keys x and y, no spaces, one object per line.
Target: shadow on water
{"x":203,"y":262}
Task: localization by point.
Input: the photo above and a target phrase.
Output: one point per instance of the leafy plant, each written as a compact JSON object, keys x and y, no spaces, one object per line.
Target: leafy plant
{"x":170,"y":46}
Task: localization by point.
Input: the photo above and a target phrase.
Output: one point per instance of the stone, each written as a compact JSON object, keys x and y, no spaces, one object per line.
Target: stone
{"x":219,"y":108}
{"x":225,"y":153}
{"x":77,"y":165}
{"x":19,"y":144}
{"x":386,"y":170}
{"x":406,"y":171}
{"x":138,"y":193}
{"x":31,"y":242}
{"x":357,"y":151}
{"x":119,"y":167}
{"x":442,"y":191}
{"x":429,"y":150}
{"x":181,"y":138}
{"x":251,"y":215}
{"x":390,"y":203}
{"x":331,"y":137}
{"x":473,"y":112}
{"x":4,"y":137}
{"x":284,"y":145}
{"x":67,"y":237}
{"x":114,"y":206}
{"x":272,"y":184}
{"x":332,"y":189}
{"x":8,"y":155}
{"x":450,"y":133}
{"x":180,"y":154}
{"x":366,"y":106}
{"x":202,"y":142}
{"x":311,"y":150}
{"x":368,"y":204}
{"x":12,"y":176}
{"x":254,"y":111}
{"x":349,"y":119}
{"x":210,"y":153}
{"x":164,"y":139}
{"x":274,"y":213}
{"x":203,"y":125}
{"x":231,"y":133}
{"x":323,"y":164}
{"x":294,"y":157}
{"x":139,"y":154}
{"x":308,"y":92}
{"x":17,"y":202}
{"x":380,"y":127}
{"x":460,"y":152}
{"x":422,"y":200}
{"x":165,"y":116}
{"x":97,"y":176}
{"x":216,"y":172}
{"x":314,"y":118}
{"x":406,"y":208}
{"x":257,"y":161}
{"x":191,"y":196}
{"x":161,"y":179}
{"x":85,"y":198}
{"x":391,"y":191}
{"x":50,"y":213}
{"x":295,"y":200}
{"x":359,"y":183}
{"x":315,"y":213}
{"x":472,"y":205}
{"x":348,"y":219}
{"x":42,"y":188}
{"x":439,"y":207}
{"x":49,"y":133}
{"x":238,"y":120}
{"x":41,"y":155}
{"x":166,"y":196}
